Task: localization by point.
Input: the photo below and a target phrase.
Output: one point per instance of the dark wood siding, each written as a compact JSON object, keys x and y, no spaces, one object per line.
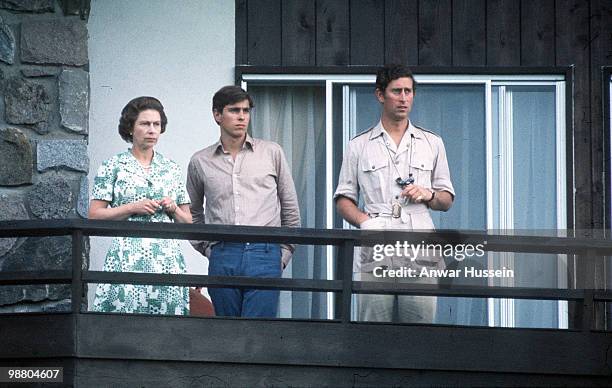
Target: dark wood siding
{"x":264,"y":31}
{"x":601,"y":55}
{"x":298,"y":40}
{"x":401,"y":32}
{"x":332,"y":32}
{"x":451,"y":34}
{"x":503,"y":33}
{"x":572,"y":48}
{"x":469,"y":29}
{"x":538,"y":32}
{"x":241,"y":32}
{"x":435,"y":33}
{"x":367,"y":32}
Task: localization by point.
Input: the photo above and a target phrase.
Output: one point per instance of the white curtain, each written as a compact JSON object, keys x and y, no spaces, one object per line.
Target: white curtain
{"x":535,"y":196}
{"x":457,"y":114}
{"x":294,"y":117}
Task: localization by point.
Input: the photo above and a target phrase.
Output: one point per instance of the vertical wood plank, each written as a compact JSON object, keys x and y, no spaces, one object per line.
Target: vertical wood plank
{"x":503,"y":33}
{"x":298,"y":28}
{"x":241,"y":32}
{"x":332,"y":32}
{"x":572,"y":48}
{"x":401,"y":32}
{"x":435,"y":38}
{"x":537,"y":32}
{"x":367,"y":32}
{"x":264,"y":32}
{"x":469,"y":23}
{"x":601,"y":55}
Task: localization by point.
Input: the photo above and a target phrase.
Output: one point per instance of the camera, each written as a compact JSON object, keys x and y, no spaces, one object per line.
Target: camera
{"x":405,"y":182}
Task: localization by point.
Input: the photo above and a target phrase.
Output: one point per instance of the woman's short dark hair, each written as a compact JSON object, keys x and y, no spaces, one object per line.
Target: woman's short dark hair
{"x":391,"y":72}
{"x":130,"y":113}
{"x":228,"y":95}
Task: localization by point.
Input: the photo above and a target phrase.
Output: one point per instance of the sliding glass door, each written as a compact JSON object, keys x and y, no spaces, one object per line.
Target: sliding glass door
{"x":505,"y":142}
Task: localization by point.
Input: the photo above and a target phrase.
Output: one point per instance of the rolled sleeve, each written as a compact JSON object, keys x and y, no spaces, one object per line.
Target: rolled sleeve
{"x":441,"y":174}
{"x":348,"y":184}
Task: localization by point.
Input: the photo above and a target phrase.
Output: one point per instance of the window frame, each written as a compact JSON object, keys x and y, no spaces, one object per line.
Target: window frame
{"x":606,"y":110}
{"x":488,"y":77}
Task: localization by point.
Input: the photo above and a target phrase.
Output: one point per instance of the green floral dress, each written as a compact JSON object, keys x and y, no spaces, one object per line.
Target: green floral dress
{"x":122,"y":180}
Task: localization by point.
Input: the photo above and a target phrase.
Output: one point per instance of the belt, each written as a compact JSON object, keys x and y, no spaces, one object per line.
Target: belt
{"x":384,"y":209}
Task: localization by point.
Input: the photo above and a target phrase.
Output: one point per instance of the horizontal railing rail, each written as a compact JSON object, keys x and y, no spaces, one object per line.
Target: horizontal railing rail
{"x":510,"y":242}
{"x":344,"y":240}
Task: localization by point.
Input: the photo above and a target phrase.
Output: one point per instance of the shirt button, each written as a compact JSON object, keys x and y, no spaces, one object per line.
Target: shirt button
{"x":422,"y":165}
{"x":247,"y":243}
{"x":397,"y":162}
{"x":373,"y":166}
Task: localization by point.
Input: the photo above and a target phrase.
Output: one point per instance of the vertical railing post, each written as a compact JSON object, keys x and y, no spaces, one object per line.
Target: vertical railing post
{"x":586,"y":278}
{"x":345,"y":273}
{"x":588,"y":310}
{"x":77,"y":267}
{"x":592,"y":280}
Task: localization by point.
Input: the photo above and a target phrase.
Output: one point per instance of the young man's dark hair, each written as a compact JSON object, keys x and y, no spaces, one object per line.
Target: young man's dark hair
{"x":228,"y":95}
{"x":130,"y":113}
{"x":391,"y":72}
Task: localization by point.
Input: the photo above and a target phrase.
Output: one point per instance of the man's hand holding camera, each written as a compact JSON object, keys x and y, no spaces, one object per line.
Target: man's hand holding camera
{"x":417,"y":194}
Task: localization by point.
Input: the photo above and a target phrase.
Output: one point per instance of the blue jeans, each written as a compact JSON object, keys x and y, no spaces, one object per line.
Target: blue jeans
{"x":245,"y":259}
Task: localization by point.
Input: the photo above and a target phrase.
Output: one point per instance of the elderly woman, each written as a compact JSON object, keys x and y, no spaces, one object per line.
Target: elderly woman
{"x":141,"y":185}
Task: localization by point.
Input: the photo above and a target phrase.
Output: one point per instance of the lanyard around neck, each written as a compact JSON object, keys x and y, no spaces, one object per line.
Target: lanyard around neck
{"x":403,"y":182}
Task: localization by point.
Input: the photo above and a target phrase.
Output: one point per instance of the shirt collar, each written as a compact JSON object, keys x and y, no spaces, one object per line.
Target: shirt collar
{"x":128,"y":158}
{"x":378,"y":130}
{"x":417,"y":133}
{"x":249,"y":143}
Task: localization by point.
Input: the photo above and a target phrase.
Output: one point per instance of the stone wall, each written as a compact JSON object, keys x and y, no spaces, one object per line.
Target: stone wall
{"x":44,"y":104}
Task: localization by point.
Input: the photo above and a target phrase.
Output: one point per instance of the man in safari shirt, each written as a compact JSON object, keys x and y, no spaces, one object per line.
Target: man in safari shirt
{"x":401,"y":172}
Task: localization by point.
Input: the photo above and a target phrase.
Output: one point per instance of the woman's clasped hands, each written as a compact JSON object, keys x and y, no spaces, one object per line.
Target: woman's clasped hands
{"x":150,"y":206}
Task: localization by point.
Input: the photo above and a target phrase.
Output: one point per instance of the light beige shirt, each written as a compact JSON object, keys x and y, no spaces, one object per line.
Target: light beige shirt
{"x":372,"y":162}
{"x":255,"y":189}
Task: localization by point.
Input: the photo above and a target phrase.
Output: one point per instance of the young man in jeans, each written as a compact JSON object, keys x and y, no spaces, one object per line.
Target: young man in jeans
{"x":243,"y":181}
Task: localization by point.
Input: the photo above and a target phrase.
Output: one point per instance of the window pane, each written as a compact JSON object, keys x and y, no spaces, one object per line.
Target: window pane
{"x":364,"y":109}
{"x":534,"y":161}
{"x":534,"y":195}
{"x":457,"y":114}
{"x":495,"y":104}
